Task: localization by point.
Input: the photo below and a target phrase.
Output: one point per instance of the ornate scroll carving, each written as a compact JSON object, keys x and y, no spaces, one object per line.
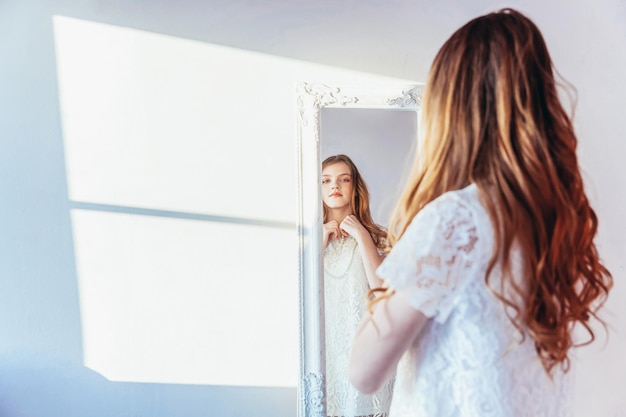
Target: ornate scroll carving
{"x":409,"y":98}
{"x":314,"y":397}
{"x":312,"y":97}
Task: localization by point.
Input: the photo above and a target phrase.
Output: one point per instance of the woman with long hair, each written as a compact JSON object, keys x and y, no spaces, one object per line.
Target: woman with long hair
{"x":491,"y":262}
{"x":353,"y":249}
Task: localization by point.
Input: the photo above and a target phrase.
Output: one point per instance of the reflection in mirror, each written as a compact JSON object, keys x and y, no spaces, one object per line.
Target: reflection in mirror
{"x":379,"y":142}
{"x":377,"y":130}
{"x":353,"y":248}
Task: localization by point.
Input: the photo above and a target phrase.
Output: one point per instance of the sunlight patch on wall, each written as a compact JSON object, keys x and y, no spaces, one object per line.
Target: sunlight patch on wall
{"x":168,"y":300}
{"x":170,"y":125}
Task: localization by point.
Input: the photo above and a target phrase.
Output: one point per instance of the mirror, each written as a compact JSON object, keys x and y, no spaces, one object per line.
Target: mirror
{"x":377,"y":127}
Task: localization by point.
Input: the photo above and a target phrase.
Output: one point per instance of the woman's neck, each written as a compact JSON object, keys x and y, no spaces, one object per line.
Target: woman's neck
{"x":338,"y":214}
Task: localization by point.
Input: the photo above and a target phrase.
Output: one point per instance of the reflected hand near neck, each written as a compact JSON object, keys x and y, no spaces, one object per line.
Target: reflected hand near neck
{"x":330,"y":231}
{"x":353,"y":227}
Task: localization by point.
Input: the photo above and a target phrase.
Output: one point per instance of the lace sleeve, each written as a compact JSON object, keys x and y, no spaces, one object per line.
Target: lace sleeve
{"x":434,"y":257}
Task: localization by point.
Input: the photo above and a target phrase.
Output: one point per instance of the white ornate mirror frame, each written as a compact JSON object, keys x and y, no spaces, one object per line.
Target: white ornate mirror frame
{"x":311,"y":99}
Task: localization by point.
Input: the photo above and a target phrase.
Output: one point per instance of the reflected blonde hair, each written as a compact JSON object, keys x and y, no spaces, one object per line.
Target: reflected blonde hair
{"x":360,"y":202}
{"x":492,"y":117}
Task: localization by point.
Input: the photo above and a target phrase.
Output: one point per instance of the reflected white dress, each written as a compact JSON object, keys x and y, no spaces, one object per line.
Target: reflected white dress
{"x":467,"y":361}
{"x":345,"y":291}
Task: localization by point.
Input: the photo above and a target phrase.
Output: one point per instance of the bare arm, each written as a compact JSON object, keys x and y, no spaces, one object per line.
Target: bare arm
{"x":380,"y":341}
{"x":369,"y":252}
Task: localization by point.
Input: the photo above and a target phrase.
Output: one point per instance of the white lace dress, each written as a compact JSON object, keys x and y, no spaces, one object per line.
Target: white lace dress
{"x":345,"y":291}
{"x":467,"y":361}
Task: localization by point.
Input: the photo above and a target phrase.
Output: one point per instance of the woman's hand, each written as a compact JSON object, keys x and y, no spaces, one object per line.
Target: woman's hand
{"x":331,"y":231}
{"x":353,"y":227}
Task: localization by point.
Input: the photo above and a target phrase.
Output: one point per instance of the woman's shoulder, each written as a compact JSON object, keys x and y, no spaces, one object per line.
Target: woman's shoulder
{"x":465,"y":196}
{"x":464,"y":202}
{"x":458,"y":212}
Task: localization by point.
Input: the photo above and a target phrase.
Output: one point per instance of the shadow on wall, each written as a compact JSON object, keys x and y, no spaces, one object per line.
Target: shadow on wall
{"x":44,"y":390}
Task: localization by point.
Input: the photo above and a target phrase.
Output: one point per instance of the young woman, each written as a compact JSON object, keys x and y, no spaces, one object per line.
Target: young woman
{"x":492,"y":261}
{"x":353,"y":249}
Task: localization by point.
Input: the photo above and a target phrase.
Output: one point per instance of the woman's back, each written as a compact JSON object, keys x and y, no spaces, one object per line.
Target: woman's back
{"x":468,"y":360}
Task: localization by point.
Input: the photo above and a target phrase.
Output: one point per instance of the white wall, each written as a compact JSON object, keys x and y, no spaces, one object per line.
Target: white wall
{"x":100,"y":182}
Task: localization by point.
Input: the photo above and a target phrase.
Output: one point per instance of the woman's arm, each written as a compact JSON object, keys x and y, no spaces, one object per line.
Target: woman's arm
{"x":381,"y":339}
{"x":369,"y":252}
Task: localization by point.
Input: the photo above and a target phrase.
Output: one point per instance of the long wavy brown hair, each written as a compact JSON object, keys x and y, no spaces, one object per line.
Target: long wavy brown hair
{"x":360,"y":202}
{"x":492,"y":116}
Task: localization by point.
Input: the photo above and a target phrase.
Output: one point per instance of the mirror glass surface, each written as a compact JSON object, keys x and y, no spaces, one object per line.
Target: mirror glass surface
{"x":378,"y":129}
{"x":380,"y":142}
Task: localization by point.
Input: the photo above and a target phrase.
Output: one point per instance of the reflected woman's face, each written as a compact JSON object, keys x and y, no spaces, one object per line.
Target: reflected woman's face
{"x":337,"y":185}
